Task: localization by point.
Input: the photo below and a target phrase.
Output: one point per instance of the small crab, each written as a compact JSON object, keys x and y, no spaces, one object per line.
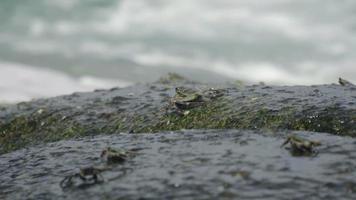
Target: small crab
{"x":300,"y":146}
{"x":86,"y":175}
{"x":344,"y":82}
{"x":186,"y":98}
{"x":115,"y":155}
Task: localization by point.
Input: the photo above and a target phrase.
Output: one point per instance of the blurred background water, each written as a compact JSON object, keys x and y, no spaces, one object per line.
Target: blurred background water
{"x":52,"y":47}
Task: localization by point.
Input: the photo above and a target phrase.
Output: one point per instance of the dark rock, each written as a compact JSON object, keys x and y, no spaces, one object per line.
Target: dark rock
{"x":145,"y":108}
{"x":190,"y":164}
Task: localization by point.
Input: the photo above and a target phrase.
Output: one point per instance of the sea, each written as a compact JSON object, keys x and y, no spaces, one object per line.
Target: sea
{"x":55,"y":47}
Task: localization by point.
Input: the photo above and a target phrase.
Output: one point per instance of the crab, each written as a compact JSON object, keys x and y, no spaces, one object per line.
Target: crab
{"x":86,"y":175}
{"x":300,"y":146}
{"x":115,"y":155}
{"x":187,"y":98}
{"x":344,"y":82}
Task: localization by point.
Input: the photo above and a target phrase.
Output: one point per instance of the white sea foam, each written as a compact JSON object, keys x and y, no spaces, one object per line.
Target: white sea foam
{"x":307,"y":72}
{"x":21,"y":83}
{"x":276,"y":41}
{"x":63,"y":4}
{"x":207,"y":19}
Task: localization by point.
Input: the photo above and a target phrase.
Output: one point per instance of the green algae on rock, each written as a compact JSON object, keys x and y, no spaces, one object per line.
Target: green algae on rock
{"x":144,"y":108}
{"x":37,"y":127}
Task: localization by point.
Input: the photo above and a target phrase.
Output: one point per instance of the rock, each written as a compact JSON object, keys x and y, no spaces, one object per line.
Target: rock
{"x":189,"y":164}
{"x":145,"y":108}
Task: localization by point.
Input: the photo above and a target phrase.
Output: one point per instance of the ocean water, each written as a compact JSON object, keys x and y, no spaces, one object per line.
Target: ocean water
{"x":53,"y":47}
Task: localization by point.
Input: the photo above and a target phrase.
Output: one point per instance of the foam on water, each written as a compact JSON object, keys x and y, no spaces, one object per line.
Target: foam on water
{"x":21,"y":83}
{"x":277,"y":41}
{"x":305,"y":73}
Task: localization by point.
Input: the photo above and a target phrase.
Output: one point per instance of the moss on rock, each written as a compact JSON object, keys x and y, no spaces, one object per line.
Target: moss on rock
{"x":35,"y":129}
{"x":145,"y":109}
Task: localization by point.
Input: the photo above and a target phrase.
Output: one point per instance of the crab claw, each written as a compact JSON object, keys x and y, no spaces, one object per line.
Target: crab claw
{"x":104,"y":152}
{"x":285,"y":142}
{"x":66,"y":182}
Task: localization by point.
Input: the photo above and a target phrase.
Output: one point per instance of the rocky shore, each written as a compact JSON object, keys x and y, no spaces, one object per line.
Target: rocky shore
{"x":215,"y":141}
{"x":146,"y":108}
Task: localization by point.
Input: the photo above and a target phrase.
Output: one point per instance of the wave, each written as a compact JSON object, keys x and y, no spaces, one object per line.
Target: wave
{"x":20,"y":82}
{"x":281,"y":42}
{"x":306,"y":72}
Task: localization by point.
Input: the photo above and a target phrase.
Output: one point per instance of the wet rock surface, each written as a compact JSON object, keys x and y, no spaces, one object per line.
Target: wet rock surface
{"x":145,"y":108}
{"x":189,"y":164}
{"x":221,"y":143}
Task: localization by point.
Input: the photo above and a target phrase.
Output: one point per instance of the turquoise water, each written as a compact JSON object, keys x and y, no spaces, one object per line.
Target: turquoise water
{"x":95,"y":43}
